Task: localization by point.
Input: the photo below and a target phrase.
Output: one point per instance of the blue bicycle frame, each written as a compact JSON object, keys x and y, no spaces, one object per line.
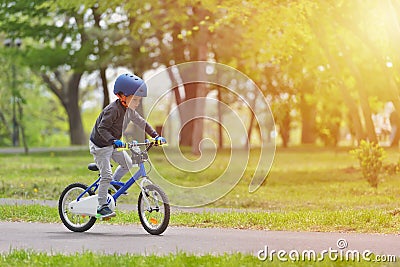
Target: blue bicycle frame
{"x":124,"y":186}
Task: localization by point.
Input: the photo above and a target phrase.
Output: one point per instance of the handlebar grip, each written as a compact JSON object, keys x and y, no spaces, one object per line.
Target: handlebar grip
{"x":126,"y":146}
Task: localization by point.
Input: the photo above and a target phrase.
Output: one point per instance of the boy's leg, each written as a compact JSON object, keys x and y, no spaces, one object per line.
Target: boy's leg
{"x":102,"y":157}
{"x":125,"y":164}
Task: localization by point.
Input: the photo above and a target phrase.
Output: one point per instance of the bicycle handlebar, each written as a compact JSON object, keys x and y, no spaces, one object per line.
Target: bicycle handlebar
{"x":149,"y":143}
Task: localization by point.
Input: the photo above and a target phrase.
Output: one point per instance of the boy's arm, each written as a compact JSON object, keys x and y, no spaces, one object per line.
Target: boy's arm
{"x":142,"y":123}
{"x":105,"y":124}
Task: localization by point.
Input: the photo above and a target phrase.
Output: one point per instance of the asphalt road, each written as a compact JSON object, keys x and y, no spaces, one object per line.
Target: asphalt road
{"x":109,"y":239}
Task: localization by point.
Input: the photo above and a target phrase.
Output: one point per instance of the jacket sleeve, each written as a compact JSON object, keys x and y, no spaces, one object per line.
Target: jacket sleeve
{"x":142,"y":123}
{"x":105,"y":124}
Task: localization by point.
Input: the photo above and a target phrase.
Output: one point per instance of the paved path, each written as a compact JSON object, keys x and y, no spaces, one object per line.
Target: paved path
{"x":20,"y":150}
{"x":133,"y":239}
{"x":107,"y":238}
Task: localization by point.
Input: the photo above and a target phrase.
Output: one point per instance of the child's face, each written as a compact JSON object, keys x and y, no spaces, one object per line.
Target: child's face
{"x":133,"y":101}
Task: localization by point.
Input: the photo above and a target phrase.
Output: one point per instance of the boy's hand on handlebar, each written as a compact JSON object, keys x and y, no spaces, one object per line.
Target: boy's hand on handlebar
{"x":119,"y":143}
{"x":159,"y":140}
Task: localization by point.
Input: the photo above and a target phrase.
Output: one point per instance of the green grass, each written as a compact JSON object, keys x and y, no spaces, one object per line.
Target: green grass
{"x":25,"y":258}
{"x":367,"y":221}
{"x":36,"y":259}
{"x":308,"y":188}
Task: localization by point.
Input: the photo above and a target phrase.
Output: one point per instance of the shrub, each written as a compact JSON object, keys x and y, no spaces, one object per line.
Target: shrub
{"x":391,"y":168}
{"x":370,"y":157}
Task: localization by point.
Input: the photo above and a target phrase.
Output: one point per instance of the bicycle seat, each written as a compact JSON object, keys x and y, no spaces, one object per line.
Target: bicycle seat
{"x":93,"y":167}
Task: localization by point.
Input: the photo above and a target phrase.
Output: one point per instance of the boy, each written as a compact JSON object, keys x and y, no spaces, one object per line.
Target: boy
{"x":107,"y":132}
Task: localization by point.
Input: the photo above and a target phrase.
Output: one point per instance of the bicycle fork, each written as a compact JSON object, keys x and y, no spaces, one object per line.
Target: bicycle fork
{"x":145,"y":195}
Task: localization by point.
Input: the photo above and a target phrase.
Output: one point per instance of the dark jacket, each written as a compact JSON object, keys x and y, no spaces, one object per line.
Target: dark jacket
{"x":110,"y":124}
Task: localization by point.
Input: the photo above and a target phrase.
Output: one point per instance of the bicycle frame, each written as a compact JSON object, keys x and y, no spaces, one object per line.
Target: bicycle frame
{"x":141,"y":173}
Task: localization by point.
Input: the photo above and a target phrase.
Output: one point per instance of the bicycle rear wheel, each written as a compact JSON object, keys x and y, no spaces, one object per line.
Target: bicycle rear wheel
{"x":153,"y":209}
{"x":74,"y":222}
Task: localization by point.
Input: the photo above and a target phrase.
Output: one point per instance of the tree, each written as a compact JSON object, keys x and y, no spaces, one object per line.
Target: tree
{"x":184,"y":37}
{"x":43,"y":118}
{"x":315,"y":49}
{"x":67,"y":46}
{"x":56,"y":56}
{"x":328,"y":29}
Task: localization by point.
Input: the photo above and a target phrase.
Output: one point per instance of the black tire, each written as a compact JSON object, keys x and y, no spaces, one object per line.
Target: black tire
{"x":74,"y":222}
{"x":154,"y":219}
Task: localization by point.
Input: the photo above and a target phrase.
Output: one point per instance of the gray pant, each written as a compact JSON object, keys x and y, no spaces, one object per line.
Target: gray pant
{"x":102,"y":157}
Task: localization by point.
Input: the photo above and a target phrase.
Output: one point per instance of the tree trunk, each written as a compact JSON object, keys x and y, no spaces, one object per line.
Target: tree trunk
{"x":366,"y":109}
{"x":251,"y":125}
{"x":104,"y":84}
{"x":198,"y":122}
{"x":191,"y":132}
{"x":4,"y":123}
{"x":68,"y":94}
{"x":395,"y":119}
{"x":396,"y":138}
{"x":353,"y":112}
{"x":22,"y":127}
{"x":308,"y":116}
{"x":201,"y":40}
{"x":185,"y":134}
{"x":284,"y":129}
{"x":103,"y":65}
{"x":187,"y":114}
{"x":394,"y":7}
{"x":371,"y":134}
{"x":347,"y":98}
{"x":77,"y":134}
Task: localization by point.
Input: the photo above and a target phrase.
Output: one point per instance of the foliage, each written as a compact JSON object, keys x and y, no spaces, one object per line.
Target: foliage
{"x":281,"y":108}
{"x":64,"y":40}
{"x":329,"y":120}
{"x":351,"y":45}
{"x":43,"y":117}
{"x":370,"y":157}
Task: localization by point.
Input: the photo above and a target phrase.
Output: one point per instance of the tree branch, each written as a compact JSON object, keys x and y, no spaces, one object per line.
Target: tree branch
{"x":57,"y":91}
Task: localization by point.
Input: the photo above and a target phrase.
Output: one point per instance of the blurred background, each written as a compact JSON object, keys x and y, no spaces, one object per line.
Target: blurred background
{"x":329,"y":70}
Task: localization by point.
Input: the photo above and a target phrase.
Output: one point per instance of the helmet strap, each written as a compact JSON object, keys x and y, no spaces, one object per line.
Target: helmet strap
{"x":122,"y":98}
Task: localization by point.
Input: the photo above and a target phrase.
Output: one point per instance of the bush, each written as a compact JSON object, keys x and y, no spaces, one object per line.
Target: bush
{"x":370,"y":157}
{"x":391,"y":168}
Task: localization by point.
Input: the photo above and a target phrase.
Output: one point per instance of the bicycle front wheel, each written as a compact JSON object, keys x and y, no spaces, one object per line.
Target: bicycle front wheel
{"x":74,"y":222}
{"x":153,"y":209}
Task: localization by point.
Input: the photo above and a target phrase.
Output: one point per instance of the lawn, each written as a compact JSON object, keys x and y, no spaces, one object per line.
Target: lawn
{"x":27,"y":258}
{"x":308,"y":188}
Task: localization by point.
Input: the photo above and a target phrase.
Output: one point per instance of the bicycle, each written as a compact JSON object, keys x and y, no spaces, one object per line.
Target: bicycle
{"x":78,"y":202}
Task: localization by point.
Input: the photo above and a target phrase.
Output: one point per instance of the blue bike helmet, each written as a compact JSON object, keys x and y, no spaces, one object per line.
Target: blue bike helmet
{"x":130,"y":84}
